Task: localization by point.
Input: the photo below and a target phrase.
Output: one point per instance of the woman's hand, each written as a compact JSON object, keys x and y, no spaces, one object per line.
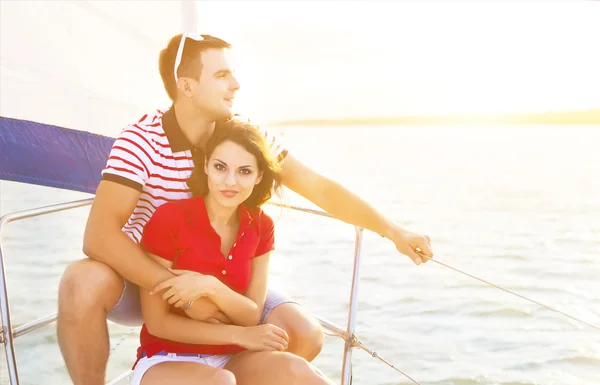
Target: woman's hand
{"x":186,"y":287}
{"x":262,"y":338}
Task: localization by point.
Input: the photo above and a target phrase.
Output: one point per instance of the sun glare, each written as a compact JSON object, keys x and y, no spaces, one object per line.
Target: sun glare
{"x":353,"y":59}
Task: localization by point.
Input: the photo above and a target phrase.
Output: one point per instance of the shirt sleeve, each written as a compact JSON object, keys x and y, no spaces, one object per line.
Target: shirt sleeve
{"x":266,"y":241}
{"x":160,"y":233}
{"x":130,"y":159}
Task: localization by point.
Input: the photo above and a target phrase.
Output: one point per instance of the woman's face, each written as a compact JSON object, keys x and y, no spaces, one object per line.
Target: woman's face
{"x":232,"y":174}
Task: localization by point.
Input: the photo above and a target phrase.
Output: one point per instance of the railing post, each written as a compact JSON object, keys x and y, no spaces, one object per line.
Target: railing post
{"x":349,"y":344}
{"x":7,"y":334}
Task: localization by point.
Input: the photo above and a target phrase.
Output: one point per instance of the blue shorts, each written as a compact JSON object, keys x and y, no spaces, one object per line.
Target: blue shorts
{"x":128,"y":310}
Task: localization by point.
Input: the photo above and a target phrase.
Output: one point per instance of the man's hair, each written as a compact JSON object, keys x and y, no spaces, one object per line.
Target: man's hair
{"x":249,"y":137}
{"x":191,"y":64}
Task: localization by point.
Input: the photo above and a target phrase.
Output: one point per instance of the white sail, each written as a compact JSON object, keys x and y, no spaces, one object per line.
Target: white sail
{"x":86,"y":65}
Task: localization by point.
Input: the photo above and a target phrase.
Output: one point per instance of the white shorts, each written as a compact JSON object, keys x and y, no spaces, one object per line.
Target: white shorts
{"x":145,"y":363}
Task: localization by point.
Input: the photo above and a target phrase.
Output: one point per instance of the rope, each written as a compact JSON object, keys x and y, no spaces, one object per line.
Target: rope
{"x":112,"y":349}
{"x":509,"y":291}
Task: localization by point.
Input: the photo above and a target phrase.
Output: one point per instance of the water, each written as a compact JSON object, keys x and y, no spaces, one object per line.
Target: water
{"x":519,"y":206}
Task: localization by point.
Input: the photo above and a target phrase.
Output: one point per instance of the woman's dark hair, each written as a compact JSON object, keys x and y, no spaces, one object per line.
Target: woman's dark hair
{"x":252,"y":140}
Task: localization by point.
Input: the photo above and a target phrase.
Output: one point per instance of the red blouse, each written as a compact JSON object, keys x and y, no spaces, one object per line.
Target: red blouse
{"x":180,"y":232}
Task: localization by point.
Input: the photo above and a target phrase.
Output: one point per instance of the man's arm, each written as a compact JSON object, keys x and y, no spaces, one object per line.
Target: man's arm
{"x":104,"y":240}
{"x":350,"y":208}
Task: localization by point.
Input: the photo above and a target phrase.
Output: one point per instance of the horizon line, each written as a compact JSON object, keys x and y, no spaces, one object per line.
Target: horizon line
{"x":587,"y":116}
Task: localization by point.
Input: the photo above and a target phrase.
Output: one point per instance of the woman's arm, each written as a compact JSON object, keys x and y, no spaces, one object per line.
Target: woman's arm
{"x":164,"y":324}
{"x":245,"y":310}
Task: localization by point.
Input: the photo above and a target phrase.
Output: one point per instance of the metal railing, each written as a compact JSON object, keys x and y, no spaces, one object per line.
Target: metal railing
{"x":8,"y":334}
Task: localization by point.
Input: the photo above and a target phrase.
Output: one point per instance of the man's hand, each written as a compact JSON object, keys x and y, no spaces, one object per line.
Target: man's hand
{"x":186,"y":286}
{"x":417,"y":247}
{"x":205,"y":310}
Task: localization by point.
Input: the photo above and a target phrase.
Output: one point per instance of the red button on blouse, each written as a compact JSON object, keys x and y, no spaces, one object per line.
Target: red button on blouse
{"x":180,"y":231}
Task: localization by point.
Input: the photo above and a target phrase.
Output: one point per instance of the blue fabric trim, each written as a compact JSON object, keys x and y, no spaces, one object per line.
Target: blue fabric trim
{"x":52,"y":156}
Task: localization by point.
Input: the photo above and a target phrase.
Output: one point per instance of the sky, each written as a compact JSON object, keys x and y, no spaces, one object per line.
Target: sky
{"x":336,"y":59}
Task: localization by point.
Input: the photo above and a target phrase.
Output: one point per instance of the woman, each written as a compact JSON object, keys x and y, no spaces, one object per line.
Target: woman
{"x":223,"y":234}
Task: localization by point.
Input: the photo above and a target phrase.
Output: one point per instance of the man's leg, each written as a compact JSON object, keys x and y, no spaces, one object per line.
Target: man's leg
{"x":87,"y":291}
{"x":304,"y":331}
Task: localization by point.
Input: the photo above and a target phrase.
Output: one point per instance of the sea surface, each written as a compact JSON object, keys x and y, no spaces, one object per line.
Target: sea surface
{"x":518,"y":206}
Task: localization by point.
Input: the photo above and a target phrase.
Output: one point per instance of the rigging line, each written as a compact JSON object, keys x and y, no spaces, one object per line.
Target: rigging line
{"x":508,"y":291}
{"x":374,"y":354}
{"x":356,"y":343}
{"x":112,"y":349}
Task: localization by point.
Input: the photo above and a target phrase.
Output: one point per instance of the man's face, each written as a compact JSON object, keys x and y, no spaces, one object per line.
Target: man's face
{"x":213,"y":94}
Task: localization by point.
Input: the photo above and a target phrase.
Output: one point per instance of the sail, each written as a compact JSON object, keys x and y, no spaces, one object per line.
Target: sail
{"x":72,"y":76}
{"x":86,"y":65}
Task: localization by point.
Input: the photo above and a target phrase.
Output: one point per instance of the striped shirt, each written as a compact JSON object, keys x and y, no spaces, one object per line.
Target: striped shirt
{"x":154,"y":157}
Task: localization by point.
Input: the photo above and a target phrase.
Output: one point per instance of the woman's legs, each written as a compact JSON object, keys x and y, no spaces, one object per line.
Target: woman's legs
{"x":274,"y":368}
{"x":187,"y":373}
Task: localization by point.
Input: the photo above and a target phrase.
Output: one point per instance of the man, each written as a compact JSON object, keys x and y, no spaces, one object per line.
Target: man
{"x":144,"y":171}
